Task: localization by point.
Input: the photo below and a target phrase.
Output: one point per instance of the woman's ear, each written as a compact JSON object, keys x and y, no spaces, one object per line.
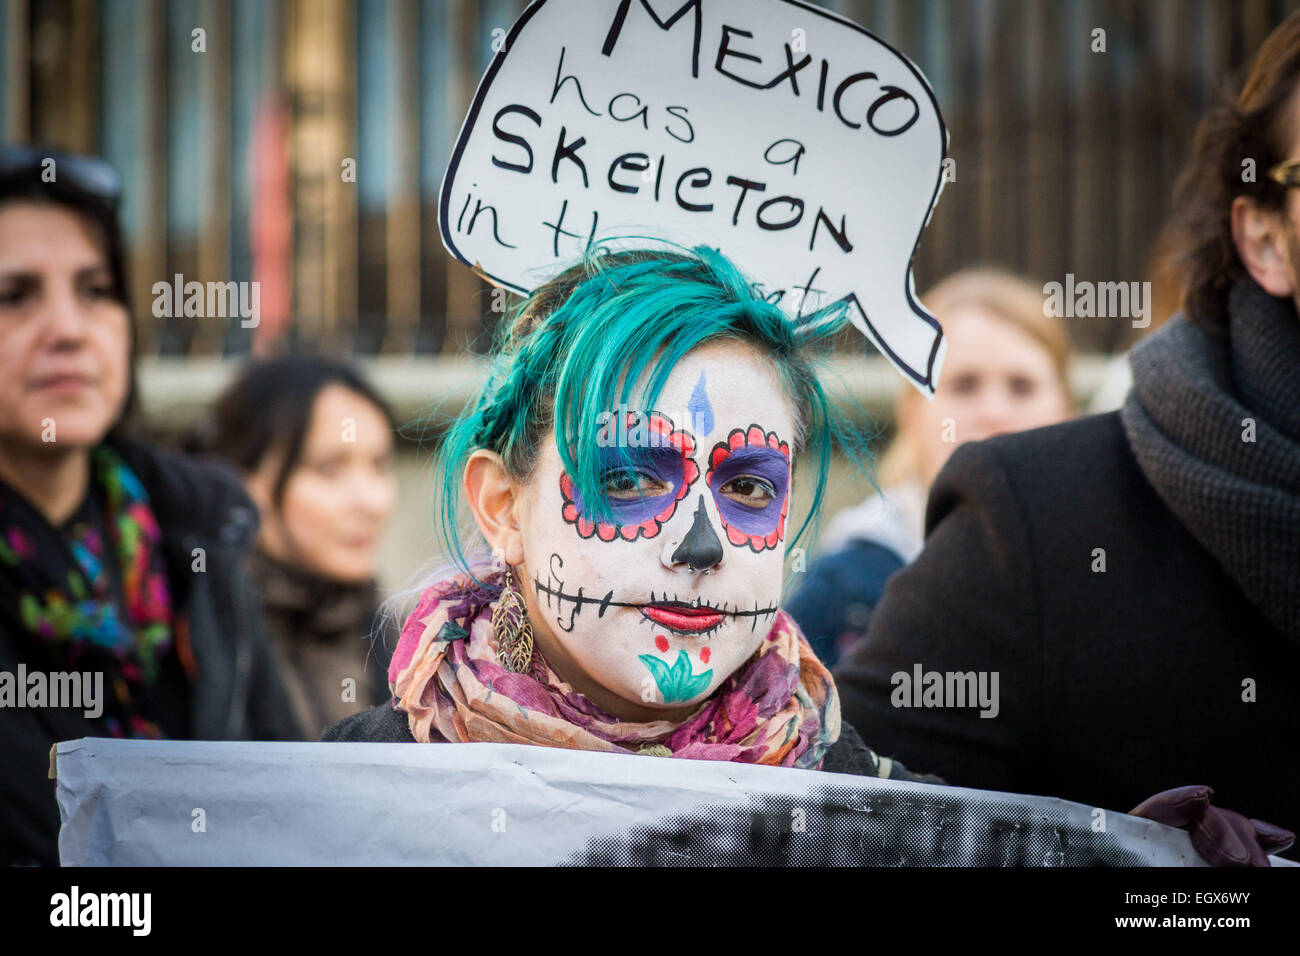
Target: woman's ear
{"x":1261,"y":243}
{"x":493,"y":498}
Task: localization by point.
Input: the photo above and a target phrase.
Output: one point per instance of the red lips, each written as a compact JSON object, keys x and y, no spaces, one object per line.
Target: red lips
{"x":683,"y":618}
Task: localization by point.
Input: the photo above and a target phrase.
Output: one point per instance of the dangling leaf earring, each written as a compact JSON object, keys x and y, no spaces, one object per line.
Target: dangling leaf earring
{"x":510,"y":624}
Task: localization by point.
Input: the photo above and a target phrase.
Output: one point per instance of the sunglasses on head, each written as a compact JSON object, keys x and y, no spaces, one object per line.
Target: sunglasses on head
{"x":85,"y":174}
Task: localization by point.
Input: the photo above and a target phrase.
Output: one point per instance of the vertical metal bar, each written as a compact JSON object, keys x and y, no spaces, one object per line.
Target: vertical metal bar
{"x":149,"y":178}
{"x":214,"y":210}
{"x":17,"y":66}
{"x":463,"y":287}
{"x":403,"y":219}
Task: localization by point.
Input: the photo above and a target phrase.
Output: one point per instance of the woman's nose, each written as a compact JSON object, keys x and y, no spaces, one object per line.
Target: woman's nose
{"x":997,"y":414}
{"x":700,"y":549}
{"x":63,"y":318}
{"x":373,"y":495}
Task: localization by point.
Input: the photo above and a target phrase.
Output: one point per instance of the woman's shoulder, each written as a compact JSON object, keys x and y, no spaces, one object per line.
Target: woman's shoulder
{"x":850,"y":754}
{"x":1063,"y":479}
{"x":190,"y":493}
{"x":1057,"y":461}
{"x":378,"y":725}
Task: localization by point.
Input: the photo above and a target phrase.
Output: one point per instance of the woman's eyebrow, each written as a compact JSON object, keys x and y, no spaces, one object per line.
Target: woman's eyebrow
{"x":752,"y":453}
{"x":92,"y":271}
{"x":34,"y":275}
{"x":612,"y":456}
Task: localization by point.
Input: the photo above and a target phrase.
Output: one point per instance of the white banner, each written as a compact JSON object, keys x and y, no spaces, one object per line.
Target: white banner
{"x":796,"y":142}
{"x":179,"y":803}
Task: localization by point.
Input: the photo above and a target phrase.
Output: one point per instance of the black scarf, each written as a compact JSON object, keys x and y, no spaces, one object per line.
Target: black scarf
{"x":1198,"y":400}
{"x":93,"y":595}
{"x":306,"y":606}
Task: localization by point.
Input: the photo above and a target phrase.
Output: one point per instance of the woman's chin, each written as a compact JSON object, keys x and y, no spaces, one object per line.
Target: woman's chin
{"x":344,"y":571}
{"x":62,"y":433}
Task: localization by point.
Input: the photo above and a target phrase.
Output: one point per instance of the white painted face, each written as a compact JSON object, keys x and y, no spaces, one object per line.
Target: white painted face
{"x":662,"y":606}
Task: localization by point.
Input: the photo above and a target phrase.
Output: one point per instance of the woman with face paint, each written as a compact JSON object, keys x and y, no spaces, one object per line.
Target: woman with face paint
{"x":629,"y":465}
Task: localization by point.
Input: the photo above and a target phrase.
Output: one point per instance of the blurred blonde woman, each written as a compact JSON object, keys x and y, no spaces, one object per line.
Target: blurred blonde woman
{"x":1006,"y":371}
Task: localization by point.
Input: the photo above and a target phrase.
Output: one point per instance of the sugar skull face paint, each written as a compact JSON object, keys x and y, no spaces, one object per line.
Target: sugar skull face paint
{"x":662,"y":604}
{"x":749,"y":475}
{"x":643,"y":494}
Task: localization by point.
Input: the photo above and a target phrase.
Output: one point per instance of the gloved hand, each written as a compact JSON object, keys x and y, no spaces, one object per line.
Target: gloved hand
{"x":1221,"y":837}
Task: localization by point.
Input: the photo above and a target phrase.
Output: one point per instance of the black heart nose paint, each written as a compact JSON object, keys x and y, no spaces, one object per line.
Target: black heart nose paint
{"x":701,"y":548}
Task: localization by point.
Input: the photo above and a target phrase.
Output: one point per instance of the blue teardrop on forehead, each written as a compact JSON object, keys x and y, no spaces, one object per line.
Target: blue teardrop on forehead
{"x":700,"y":408}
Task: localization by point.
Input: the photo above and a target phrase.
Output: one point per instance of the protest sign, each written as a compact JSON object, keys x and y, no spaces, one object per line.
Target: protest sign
{"x":800,"y":145}
{"x":130,"y":802}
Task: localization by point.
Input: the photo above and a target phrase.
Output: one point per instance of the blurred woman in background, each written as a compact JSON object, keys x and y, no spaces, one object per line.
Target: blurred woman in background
{"x":314,"y":443}
{"x":120,"y":563}
{"x":1006,"y":370}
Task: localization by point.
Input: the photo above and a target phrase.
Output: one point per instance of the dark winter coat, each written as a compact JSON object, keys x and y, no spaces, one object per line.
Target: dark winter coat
{"x":237,"y":694}
{"x":1114,"y":684}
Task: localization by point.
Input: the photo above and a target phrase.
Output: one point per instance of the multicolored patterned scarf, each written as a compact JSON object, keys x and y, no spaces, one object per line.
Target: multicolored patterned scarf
{"x":780,"y":708}
{"x":59,"y":586}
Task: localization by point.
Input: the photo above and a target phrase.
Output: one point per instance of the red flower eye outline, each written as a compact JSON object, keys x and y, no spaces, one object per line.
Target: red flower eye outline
{"x":677,"y":438}
{"x":753,"y":437}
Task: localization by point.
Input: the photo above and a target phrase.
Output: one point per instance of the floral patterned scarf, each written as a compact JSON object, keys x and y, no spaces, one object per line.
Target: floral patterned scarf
{"x":94,"y":592}
{"x":780,"y":708}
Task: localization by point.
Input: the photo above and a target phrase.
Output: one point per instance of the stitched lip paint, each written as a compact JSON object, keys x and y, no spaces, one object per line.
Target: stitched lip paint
{"x":683,"y":618}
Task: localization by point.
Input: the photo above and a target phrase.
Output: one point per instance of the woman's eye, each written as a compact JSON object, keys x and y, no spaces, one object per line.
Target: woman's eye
{"x":13,"y":295}
{"x":965,"y":384}
{"x":750,"y":491}
{"x":1023,"y":387}
{"x":623,"y":484}
{"x":100,"y":291}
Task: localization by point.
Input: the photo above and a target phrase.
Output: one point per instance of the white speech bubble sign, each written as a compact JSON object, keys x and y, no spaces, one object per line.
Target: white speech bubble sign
{"x":807,"y":150}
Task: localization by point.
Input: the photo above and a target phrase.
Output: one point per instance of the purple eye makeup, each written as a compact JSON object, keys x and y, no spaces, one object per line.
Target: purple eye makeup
{"x":749,"y":475}
{"x":640,"y":496}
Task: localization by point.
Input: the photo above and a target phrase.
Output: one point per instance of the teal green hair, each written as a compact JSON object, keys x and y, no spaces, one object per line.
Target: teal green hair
{"x":577,"y":346}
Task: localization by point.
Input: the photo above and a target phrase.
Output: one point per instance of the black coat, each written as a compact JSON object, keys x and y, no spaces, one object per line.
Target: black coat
{"x":238,"y":693}
{"x":1113,"y":685}
{"x":387,"y":725}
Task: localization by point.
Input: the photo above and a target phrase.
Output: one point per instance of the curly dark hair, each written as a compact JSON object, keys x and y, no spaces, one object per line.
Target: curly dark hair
{"x":1254,"y":124}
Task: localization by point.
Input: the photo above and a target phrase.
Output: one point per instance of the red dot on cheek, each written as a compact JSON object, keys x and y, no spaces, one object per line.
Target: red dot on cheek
{"x":705,"y":654}
{"x":661,"y":642}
